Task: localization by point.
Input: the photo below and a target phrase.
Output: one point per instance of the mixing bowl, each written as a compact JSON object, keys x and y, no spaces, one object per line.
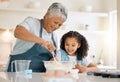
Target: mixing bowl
{"x":65,"y":66}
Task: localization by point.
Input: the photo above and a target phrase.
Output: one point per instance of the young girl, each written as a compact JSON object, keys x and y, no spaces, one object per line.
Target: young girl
{"x":74,"y":47}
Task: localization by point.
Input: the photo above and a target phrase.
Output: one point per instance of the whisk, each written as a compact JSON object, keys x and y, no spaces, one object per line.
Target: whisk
{"x":53,"y":54}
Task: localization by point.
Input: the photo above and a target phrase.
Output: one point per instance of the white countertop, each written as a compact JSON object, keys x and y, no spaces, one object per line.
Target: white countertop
{"x":38,"y":77}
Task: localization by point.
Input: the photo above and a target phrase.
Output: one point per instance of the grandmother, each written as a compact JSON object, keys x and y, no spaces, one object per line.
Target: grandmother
{"x":35,"y":38}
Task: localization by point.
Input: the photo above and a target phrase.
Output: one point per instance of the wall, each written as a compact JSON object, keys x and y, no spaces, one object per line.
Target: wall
{"x":6,"y":41}
{"x":98,"y":6}
{"x":94,"y":33}
{"x":109,"y":5}
{"x":118,"y":35}
{"x":72,"y":5}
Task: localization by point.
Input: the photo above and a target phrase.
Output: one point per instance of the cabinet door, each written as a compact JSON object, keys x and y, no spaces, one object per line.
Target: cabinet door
{"x":5,"y":50}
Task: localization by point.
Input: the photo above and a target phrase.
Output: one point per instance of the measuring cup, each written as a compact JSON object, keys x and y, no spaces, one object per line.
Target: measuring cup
{"x":20,"y":65}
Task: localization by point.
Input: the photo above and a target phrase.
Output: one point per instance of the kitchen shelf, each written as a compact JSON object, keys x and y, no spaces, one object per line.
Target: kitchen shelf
{"x":98,"y":14}
{"x":86,"y":32}
{"x":38,"y":11}
{"x":87,"y":21}
{"x":22,"y":10}
{"x":95,"y":32}
{"x":19,"y":14}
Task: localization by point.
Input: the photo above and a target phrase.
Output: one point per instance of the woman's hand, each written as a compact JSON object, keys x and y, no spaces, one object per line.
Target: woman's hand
{"x":81,"y":68}
{"x":49,"y":46}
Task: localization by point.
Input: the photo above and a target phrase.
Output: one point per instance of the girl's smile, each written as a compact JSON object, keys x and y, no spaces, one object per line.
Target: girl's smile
{"x":71,"y":45}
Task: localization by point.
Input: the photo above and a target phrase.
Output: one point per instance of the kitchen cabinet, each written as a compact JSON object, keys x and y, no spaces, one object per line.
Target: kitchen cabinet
{"x":5,"y":50}
{"x":86,"y":21}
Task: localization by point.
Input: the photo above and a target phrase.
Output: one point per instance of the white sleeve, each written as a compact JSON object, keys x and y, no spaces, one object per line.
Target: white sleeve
{"x":56,"y":40}
{"x":31,"y":24}
{"x":58,"y":55}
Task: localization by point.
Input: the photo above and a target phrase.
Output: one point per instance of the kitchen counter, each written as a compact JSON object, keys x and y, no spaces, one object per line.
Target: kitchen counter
{"x":38,"y":77}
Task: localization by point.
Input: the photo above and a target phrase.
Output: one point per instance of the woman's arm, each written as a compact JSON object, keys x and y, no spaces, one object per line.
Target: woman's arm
{"x":24,"y":34}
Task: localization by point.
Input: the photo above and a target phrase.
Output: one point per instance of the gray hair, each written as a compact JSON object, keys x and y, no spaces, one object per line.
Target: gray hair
{"x":57,"y":9}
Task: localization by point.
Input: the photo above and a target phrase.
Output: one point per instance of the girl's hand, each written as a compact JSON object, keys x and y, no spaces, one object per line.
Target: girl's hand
{"x":81,"y":68}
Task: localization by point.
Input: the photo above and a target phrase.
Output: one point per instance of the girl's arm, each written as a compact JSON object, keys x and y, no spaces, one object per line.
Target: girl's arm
{"x":91,"y":67}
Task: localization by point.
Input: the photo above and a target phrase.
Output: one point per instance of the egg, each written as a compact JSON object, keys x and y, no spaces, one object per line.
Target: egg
{"x":58,"y":73}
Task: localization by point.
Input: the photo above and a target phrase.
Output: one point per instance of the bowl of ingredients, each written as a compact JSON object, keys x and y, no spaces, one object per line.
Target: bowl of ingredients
{"x":58,"y":68}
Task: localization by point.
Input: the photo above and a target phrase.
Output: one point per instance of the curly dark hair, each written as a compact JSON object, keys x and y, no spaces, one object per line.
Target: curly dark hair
{"x":83,"y":50}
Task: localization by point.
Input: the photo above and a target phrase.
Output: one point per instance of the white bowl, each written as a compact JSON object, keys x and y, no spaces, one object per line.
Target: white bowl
{"x":59,"y":65}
